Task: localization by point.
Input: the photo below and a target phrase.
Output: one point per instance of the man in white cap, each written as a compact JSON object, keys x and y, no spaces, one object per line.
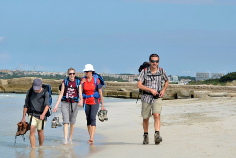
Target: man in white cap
{"x":36,"y":105}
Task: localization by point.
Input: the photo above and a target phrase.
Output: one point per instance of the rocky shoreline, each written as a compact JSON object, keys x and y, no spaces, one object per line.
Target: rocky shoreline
{"x":126,"y":89}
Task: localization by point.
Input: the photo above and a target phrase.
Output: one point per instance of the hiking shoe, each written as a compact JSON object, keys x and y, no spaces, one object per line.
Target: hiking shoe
{"x":105,"y":115}
{"x":57,"y":121}
{"x":25,"y":128}
{"x":19,"y":128}
{"x":100,"y":115}
{"x":54,"y":123}
{"x":145,"y":139}
{"x":157,"y":138}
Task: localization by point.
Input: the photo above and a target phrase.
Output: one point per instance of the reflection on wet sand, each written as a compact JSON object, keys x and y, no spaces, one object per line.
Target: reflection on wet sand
{"x":46,"y":152}
{"x":61,"y":151}
{"x":36,"y":153}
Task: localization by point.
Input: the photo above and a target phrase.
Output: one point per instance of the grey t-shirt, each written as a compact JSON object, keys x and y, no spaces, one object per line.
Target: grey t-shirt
{"x":37,"y":103}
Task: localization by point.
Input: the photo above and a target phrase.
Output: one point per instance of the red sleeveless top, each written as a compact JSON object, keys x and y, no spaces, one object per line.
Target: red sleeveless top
{"x":89,"y":89}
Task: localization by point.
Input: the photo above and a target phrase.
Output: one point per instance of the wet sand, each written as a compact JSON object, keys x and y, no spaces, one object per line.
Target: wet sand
{"x":190,"y":128}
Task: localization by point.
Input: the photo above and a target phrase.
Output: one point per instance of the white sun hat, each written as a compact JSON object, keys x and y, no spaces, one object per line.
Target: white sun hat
{"x":88,"y":67}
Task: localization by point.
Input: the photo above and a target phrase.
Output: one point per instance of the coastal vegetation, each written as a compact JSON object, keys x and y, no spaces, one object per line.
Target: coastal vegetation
{"x":221,"y":81}
{"x":55,"y":77}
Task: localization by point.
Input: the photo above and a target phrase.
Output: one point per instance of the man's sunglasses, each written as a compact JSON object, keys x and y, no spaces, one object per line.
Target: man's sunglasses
{"x":71,"y":73}
{"x":154,"y":61}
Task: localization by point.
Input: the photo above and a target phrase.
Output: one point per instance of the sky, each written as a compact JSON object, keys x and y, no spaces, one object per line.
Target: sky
{"x":117,"y":36}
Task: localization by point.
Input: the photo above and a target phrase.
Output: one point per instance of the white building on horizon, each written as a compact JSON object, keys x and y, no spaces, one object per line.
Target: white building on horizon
{"x":216,"y":75}
{"x":207,"y":76}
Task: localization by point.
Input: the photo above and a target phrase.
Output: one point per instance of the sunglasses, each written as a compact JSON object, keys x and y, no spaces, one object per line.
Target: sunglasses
{"x":154,"y":61}
{"x":71,"y":73}
{"x":86,"y":71}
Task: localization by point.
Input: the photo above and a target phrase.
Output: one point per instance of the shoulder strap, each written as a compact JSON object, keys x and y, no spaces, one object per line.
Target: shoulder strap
{"x":44,"y":91}
{"x":161,"y":70}
{"x":145,"y":73}
{"x":77,"y":82}
{"x":30,"y":94}
{"x":66,"y":81}
{"x":95,"y":77}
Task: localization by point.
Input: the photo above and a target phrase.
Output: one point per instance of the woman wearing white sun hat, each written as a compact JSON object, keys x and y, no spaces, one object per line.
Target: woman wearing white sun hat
{"x":92,"y":97}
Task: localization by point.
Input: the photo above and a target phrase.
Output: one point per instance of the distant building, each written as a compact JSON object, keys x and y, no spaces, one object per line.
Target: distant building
{"x":174,"y":79}
{"x":216,"y":75}
{"x":202,"y":76}
{"x":207,"y":76}
{"x":184,"y":81}
{"x":132,"y":78}
{"x":5,"y":71}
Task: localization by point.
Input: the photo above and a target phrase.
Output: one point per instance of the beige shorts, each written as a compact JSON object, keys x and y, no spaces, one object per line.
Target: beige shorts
{"x":37,"y":122}
{"x":149,"y":109}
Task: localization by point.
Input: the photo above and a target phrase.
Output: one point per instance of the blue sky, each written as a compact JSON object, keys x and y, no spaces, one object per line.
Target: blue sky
{"x":116,"y":36}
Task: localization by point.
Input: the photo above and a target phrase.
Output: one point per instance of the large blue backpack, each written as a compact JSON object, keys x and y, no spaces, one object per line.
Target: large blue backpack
{"x":97,"y":76}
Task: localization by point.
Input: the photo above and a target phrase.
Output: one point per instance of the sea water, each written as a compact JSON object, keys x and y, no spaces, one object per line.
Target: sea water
{"x":11,"y":110}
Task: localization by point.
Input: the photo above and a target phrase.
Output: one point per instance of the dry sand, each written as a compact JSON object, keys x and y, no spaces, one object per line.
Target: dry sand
{"x":190,"y":128}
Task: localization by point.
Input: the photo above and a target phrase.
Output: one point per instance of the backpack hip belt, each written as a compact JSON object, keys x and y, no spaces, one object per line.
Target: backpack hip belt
{"x":95,"y":95}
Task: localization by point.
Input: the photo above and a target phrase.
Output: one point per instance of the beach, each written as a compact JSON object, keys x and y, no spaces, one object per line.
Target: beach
{"x":190,"y":128}
{"x":197,"y":127}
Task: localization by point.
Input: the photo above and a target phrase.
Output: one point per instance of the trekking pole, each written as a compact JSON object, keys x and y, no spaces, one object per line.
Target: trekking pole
{"x":138,"y":98}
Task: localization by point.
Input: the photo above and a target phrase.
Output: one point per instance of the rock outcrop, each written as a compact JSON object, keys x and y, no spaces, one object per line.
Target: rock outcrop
{"x":126,"y":89}
{"x":21,"y":85}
